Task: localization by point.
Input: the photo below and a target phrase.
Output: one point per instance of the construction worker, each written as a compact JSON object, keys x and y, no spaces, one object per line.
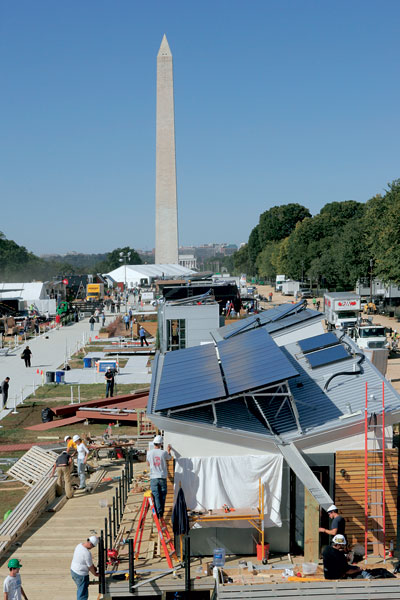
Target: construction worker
{"x":335,"y":561}
{"x":71,"y":446}
{"x":157,"y":460}
{"x":82,"y":458}
{"x":63,"y":466}
{"x":82,"y":563}
{"x":338,"y":522}
{"x":12,"y":586}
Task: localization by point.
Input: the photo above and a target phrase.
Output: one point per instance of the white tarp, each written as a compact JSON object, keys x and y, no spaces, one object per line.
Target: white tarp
{"x":233,"y":480}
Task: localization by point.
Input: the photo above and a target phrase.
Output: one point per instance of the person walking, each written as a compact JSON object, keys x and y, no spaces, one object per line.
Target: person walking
{"x":63,"y":466}
{"x":4,"y":391}
{"x":270,"y":296}
{"x":157,"y":460}
{"x":126,"y":321}
{"x":142,"y":335}
{"x":92,"y":321}
{"x":12,"y":586}
{"x":82,"y":563}
{"x":81,"y":460}
{"x":26,"y":355}
{"x":103,"y":319}
{"x":109,"y":377}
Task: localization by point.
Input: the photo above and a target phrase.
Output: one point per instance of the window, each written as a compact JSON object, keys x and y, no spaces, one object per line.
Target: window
{"x":176,"y":334}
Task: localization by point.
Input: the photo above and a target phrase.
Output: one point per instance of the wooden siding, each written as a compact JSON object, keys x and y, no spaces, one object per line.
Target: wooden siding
{"x":349,"y":492}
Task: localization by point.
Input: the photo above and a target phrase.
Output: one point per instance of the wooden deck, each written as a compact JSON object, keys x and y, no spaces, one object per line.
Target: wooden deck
{"x":47,"y":547}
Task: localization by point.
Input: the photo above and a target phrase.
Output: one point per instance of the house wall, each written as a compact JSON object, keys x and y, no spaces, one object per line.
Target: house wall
{"x":200,"y":320}
{"x":353,"y":442}
{"x":304,"y":331}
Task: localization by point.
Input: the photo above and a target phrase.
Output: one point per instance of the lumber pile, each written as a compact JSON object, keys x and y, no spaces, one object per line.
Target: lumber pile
{"x":41,"y":494}
{"x":33,"y":466}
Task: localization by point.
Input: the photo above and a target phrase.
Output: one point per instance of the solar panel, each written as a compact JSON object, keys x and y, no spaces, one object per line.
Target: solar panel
{"x":190,"y":376}
{"x":317,"y":342}
{"x":253,"y":360}
{"x":327,"y":356}
{"x":270,"y":315}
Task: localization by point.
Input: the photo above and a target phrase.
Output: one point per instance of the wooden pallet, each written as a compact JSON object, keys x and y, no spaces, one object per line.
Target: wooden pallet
{"x":95,"y":479}
{"x":357,"y":589}
{"x":26,"y":512}
{"x":33,"y":465}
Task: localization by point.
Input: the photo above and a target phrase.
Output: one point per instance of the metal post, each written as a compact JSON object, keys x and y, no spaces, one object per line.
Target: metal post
{"x":15,"y":412}
{"x":187,"y":563}
{"x":110,"y":545}
{"x":72,"y":395}
{"x":79,"y":394}
{"x":117,"y":506}
{"x":131,"y":556}
{"x":102,"y":570}
{"x":34,"y":388}
{"x":122,"y":492}
{"x":105,"y":539}
{"x":114,"y":521}
{"x":120,"y":496}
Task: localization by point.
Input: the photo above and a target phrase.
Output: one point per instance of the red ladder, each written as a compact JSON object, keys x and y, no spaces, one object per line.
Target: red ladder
{"x":375,"y":479}
{"x":163,"y":533}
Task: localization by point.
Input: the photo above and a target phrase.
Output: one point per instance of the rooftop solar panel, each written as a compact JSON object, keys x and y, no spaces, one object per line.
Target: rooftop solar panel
{"x":190,"y":376}
{"x":252,"y":361}
{"x":317,"y":342}
{"x":327,"y":356}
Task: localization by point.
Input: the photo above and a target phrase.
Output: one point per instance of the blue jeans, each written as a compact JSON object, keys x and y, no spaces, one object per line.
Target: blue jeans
{"x":81,"y":473}
{"x":82,"y":584}
{"x":159,"y":490}
{"x":109,"y":388}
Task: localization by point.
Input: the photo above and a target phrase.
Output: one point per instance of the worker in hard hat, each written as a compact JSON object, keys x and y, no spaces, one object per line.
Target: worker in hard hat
{"x":81,"y":460}
{"x":335,"y":561}
{"x":12,"y":586}
{"x":338,"y":522}
{"x":157,"y":460}
{"x":81,"y":565}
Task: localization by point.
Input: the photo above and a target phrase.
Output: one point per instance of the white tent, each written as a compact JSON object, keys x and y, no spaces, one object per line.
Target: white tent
{"x":134,"y":273}
{"x":23,"y":291}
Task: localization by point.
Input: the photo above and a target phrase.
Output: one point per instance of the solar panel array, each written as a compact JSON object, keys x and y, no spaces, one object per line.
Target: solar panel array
{"x":253,"y":360}
{"x":327,"y":356}
{"x":317,"y":342}
{"x":190,"y":376}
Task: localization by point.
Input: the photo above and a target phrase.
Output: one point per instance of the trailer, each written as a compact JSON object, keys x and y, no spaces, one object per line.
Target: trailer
{"x":293,"y":288}
{"x":342,"y":310}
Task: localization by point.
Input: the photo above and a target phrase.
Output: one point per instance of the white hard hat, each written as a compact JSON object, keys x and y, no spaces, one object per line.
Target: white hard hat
{"x":67,"y":437}
{"x":158,"y":439}
{"x":94,"y":540}
{"x":76,"y":438}
{"x":339,"y":539}
{"x":331,"y":508}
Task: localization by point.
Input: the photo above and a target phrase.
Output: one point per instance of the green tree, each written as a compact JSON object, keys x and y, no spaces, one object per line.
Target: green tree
{"x":113,"y":259}
{"x":278,"y":222}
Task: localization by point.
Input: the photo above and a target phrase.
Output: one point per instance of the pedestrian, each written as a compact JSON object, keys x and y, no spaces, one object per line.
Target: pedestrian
{"x":63,"y":466}
{"x":157,"y":460}
{"x":109,"y":377}
{"x":12,"y":586}
{"x":118,"y":305}
{"x":270,"y":296}
{"x":126,"y":321}
{"x":314,"y":301}
{"x":92,"y":321}
{"x":103,"y":319}
{"x":36,"y":325}
{"x":47,"y":315}
{"x":81,"y":460}
{"x":338,"y":522}
{"x":4,"y":391}
{"x":82,"y":563}
{"x":58,"y":320}
{"x":96,"y":315}
{"x":26,"y":355}
{"x":318,"y":304}
{"x":142,"y":335}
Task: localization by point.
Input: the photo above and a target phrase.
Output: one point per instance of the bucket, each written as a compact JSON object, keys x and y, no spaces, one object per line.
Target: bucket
{"x":259,"y":551}
{"x":87,"y":363}
{"x":50,"y":376}
{"x":309,"y":568}
{"x":219,"y":557}
{"x":60,"y":376}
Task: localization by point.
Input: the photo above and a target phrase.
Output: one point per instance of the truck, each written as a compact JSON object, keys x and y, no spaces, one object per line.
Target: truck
{"x":342,"y":310}
{"x":369,"y":335}
{"x":291,"y":288}
{"x":94,"y":291}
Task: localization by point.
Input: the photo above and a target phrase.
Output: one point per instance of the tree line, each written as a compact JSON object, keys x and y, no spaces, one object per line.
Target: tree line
{"x":17,"y":264}
{"x":343,"y":242}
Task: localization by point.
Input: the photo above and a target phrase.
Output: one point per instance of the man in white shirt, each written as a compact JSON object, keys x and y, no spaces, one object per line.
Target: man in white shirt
{"x":81,"y":460}
{"x":12,"y":586}
{"x":157,"y":459}
{"x":82,"y":563}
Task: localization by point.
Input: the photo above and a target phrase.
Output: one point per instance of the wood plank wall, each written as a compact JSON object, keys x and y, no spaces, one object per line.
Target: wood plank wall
{"x":349,"y":491}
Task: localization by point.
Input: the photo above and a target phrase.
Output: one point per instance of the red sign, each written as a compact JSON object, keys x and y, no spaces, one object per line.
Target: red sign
{"x":347,"y":303}
{"x":65,"y":281}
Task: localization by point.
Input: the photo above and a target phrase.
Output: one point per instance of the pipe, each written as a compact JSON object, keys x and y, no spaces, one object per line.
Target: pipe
{"x":131,"y":565}
{"x":187,"y":563}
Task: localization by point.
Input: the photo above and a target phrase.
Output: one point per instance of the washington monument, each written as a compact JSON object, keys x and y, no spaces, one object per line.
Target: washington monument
{"x":166,"y":203}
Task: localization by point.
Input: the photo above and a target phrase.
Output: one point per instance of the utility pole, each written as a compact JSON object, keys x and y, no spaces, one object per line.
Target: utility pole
{"x":371,"y":264}
{"x":124,"y":256}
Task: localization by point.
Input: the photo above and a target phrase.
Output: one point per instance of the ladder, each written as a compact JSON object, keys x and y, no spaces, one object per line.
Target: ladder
{"x":374,"y":483}
{"x":162,"y":529}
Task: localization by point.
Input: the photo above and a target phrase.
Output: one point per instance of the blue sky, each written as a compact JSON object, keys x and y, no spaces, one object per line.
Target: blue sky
{"x":275,"y":102}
